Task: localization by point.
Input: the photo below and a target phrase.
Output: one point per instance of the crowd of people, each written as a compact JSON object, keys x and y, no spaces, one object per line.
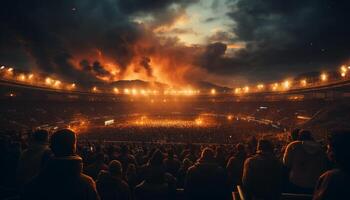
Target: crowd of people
{"x":26,"y":114}
{"x":226,"y":132}
{"x":62,"y":166}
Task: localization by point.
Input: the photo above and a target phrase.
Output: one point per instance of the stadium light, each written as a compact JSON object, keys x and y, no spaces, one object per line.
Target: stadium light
{"x":303,"y":82}
{"x":22,"y":77}
{"x":274,"y":86}
{"x":71,"y":86}
{"x":324,"y":77}
{"x":286,"y":84}
{"x":116,"y":90}
{"x":30,"y":76}
{"x":246,"y":89}
{"x":48,"y":81}
{"x":134,"y":91}
{"x":57,"y":83}
{"x":199,"y":121}
{"x":238,"y":90}
{"x":260,"y":86}
{"x":343,"y":70}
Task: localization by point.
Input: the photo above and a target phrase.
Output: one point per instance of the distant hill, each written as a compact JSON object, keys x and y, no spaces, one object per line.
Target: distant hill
{"x":138,"y":84}
{"x":202,"y":85}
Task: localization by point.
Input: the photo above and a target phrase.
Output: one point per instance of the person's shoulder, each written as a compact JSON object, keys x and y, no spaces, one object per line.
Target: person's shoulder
{"x":87,"y":179}
{"x":334,"y":174}
{"x":102,"y":175}
{"x":231,"y":158}
{"x":192,"y":168}
{"x":252,"y":158}
{"x":294,"y":144}
{"x":124,"y":185}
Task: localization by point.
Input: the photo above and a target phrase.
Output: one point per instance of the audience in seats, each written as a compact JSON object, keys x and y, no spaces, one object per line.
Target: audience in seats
{"x":263,"y":167}
{"x":110,"y":184}
{"x":305,"y":160}
{"x":94,"y":168}
{"x":181,"y":174}
{"x":62,"y":177}
{"x":262,"y":174}
{"x":30,"y":161}
{"x":235,"y":166}
{"x":157,"y":184}
{"x":172,"y":164}
{"x":334,"y":184}
{"x":206,"y":179}
{"x":125,"y":158}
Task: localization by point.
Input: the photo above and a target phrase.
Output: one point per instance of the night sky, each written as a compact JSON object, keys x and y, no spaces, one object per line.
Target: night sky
{"x":228,"y":42}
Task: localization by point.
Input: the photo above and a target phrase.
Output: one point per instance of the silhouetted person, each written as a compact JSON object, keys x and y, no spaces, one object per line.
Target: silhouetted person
{"x":158,"y":185}
{"x":334,"y":184}
{"x":262,"y":173}
{"x":172,"y":164}
{"x":125,"y":158}
{"x":62,"y":176}
{"x":220,"y":156}
{"x":31,"y":159}
{"x":132,"y":177}
{"x":305,"y":160}
{"x":110,"y":184}
{"x":235,"y":166}
{"x":181,"y":174}
{"x":206,"y":179}
{"x":94,"y":169}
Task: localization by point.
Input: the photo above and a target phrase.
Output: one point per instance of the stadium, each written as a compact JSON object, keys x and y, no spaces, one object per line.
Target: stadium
{"x":174,"y":100}
{"x":200,"y":117}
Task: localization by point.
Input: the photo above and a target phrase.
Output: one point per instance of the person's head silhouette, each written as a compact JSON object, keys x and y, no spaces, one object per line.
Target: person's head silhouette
{"x":63,"y":143}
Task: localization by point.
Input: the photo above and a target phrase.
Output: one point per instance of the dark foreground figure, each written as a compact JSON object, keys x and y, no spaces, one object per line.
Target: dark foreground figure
{"x":62,"y":176}
{"x":335,"y":183}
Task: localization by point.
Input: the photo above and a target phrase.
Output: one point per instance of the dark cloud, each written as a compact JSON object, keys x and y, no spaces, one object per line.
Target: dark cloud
{"x":178,"y":31}
{"x":56,"y":34}
{"x":221,"y":36}
{"x":213,"y":58}
{"x":290,"y":36}
{"x":65,"y":36}
{"x":210,"y":19}
{"x":150,"y":6}
{"x":145,"y":63}
{"x":95,"y":67}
